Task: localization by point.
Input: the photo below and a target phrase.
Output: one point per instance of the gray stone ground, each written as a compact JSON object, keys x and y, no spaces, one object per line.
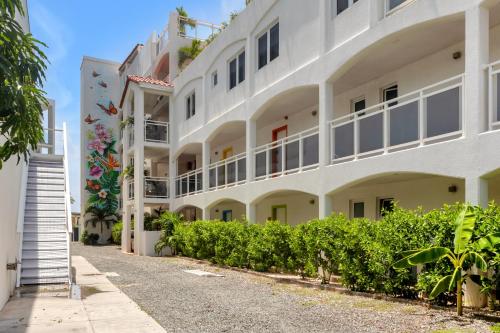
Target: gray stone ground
{"x":240,"y":302}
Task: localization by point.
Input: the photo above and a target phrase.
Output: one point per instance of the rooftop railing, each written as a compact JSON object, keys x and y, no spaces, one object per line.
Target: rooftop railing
{"x":428,"y":115}
{"x":295,"y":153}
{"x":196,"y":29}
{"x":52,"y":142}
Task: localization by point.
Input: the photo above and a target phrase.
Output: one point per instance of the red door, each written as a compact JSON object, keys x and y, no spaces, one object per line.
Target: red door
{"x":278,"y":134}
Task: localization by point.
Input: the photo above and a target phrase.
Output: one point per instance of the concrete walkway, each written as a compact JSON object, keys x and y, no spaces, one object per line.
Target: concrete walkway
{"x":102,"y":308}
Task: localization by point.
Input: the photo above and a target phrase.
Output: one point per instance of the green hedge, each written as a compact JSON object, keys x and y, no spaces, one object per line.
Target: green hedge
{"x":116,"y":232}
{"x":362,"y":251}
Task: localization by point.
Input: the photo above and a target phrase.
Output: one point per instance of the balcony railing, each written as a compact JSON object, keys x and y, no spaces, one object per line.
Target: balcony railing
{"x":228,"y":172}
{"x":52,"y":142}
{"x":196,"y":29}
{"x":494,"y":94}
{"x":156,"y":187}
{"x":156,"y":131}
{"x":130,"y":184}
{"x":189,"y":183}
{"x":295,"y":153}
{"x":431,"y":114}
{"x":131,"y":136}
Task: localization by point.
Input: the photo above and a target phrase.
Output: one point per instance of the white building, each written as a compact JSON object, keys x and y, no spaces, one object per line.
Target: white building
{"x":301,"y":108}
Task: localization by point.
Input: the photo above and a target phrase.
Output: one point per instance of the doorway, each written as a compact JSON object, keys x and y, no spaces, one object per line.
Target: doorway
{"x":226,"y":153}
{"x":276,"y":160}
{"x":227,"y":215}
{"x":279,"y":213}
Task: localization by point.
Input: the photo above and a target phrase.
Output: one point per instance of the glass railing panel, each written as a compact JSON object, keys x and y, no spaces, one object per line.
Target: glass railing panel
{"x":242,"y":169}
{"x":177,"y":187}
{"x":496,"y":100}
{"x":310,"y":150}
{"x":211,"y":178}
{"x":275,"y":162}
{"x":221,"y":175}
{"x":156,"y":187}
{"x":292,"y":155}
{"x":156,"y":131}
{"x":443,"y":112}
{"x":260,"y":164}
{"x":343,"y":141}
{"x":371,"y":133}
{"x":192,"y":183}
{"x":199,"y":181}
{"x":403,"y":122}
{"x":231,"y":172}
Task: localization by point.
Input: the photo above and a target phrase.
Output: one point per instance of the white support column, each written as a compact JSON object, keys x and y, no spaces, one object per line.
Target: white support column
{"x":205,"y":214}
{"x":205,"y":163}
{"x":251,"y":213}
{"x":325,"y":10}
{"x":325,"y":115}
{"x":126,"y":234}
{"x":476,"y":57}
{"x":325,"y":206}
{"x":139,"y":171}
{"x":172,"y":163}
{"x":251,"y":141}
{"x":476,"y":191}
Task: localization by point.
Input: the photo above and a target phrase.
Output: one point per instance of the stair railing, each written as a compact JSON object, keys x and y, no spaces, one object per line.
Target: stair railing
{"x":67,"y":197}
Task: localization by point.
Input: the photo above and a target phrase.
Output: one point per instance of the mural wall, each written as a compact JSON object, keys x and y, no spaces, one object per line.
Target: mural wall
{"x":99,"y":139}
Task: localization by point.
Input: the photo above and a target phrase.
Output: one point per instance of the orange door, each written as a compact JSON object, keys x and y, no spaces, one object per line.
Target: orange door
{"x":278,"y":134}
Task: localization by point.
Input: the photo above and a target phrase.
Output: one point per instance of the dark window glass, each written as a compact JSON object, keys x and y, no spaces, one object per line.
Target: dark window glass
{"x":215,"y":79}
{"x":394,"y":3}
{"x":358,"y":210}
{"x":241,"y":67}
{"x":274,"y":42}
{"x":262,"y":47}
{"x":193,"y":104}
{"x":342,"y":5}
{"x":359,"y":105}
{"x":188,"y":108}
{"x":232,"y":74}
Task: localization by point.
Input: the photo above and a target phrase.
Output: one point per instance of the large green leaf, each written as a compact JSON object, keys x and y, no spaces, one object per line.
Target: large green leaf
{"x":478,"y":260}
{"x":441,"y":286}
{"x":455,"y":277}
{"x":489,"y":242}
{"x":464,"y":227}
{"x":422,"y":257}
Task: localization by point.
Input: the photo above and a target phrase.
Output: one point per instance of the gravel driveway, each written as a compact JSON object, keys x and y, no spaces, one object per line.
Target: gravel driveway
{"x":239,"y":302}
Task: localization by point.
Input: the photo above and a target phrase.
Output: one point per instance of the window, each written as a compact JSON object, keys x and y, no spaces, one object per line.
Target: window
{"x":389,"y":93}
{"x":358,"y":104}
{"x":215,"y":79}
{"x":357,"y":210}
{"x":394,"y":3}
{"x":191,"y":105}
{"x":268,"y":49}
{"x":262,"y":44}
{"x":237,"y":70}
{"x":385,"y":205}
{"x":342,"y":5}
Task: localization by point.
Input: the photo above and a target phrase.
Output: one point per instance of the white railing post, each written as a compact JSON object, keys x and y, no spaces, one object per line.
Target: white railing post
{"x":267,"y":162}
{"x":67,"y":197}
{"x":421,"y":118}
{"x":386,"y":128}
{"x":283,"y":156}
{"x":331,"y":153}
{"x":356,"y":136}
{"x":225,"y":172}
{"x":491,"y":115}
{"x":301,"y":153}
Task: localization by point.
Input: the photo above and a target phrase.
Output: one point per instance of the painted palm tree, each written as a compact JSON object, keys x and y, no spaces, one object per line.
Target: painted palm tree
{"x":101,"y":216}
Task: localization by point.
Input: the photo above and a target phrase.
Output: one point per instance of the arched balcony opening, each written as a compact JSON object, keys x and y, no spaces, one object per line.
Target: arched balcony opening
{"x":162,"y":71}
{"x":291,"y":207}
{"x":373,"y":196}
{"x":190,"y":213}
{"x":403,"y":92}
{"x":286,"y":140}
{"x":227,"y":147}
{"x":227,"y":210}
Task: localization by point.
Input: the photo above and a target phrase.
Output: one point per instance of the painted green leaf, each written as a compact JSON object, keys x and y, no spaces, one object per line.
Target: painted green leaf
{"x":441,"y":286}
{"x":464,"y":227}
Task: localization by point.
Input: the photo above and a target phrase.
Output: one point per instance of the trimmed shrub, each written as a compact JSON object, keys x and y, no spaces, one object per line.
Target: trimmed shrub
{"x":116,"y":232}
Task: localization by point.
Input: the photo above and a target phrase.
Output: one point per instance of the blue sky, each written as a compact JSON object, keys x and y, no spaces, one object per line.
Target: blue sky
{"x":106,"y":29}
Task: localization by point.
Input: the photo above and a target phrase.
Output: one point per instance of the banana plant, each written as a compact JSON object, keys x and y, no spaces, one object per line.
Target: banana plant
{"x":464,"y":252}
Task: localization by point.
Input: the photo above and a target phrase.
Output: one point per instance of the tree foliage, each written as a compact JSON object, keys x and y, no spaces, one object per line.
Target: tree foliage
{"x":22,"y":73}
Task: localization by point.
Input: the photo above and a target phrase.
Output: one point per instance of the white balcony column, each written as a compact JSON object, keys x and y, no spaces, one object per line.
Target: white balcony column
{"x":325,"y":8}
{"x":139,"y":170}
{"x":325,"y":206}
{"x":251,"y":141}
{"x":325,"y":116}
{"x":476,"y":191}
{"x":377,"y":11}
{"x":172,"y":162}
{"x":251,"y":213}
{"x":477,"y":56}
{"x":126,"y":234}
{"x":205,"y":213}
{"x":204,"y":164}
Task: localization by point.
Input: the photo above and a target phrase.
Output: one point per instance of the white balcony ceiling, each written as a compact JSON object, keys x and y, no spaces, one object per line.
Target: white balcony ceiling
{"x":400,"y":49}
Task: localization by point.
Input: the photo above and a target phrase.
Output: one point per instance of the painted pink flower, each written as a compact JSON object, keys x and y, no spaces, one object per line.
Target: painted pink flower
{"x":95,"y":171}
{"x":99,"y":128}
{"x":96,"y":145}
{"x":104,"y":136}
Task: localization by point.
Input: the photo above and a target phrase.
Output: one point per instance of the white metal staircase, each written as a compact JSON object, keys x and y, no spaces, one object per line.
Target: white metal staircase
{"x":46,"y":227}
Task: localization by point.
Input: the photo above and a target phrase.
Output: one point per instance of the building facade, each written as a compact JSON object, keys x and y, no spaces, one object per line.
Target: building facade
{"x":300,"y":109}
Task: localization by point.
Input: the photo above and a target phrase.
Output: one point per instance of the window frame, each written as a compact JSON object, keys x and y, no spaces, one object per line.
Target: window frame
{"x":190,"y":104}
{"x":335,"y":11}
{"x":238,"y":79}
{"x":380,"y":200}
{"x":351,"y":208}
{"x":357,"y":100}
{"x":267,"y":33}
{"x":214,"y":79}
{"x":384,"y":90}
